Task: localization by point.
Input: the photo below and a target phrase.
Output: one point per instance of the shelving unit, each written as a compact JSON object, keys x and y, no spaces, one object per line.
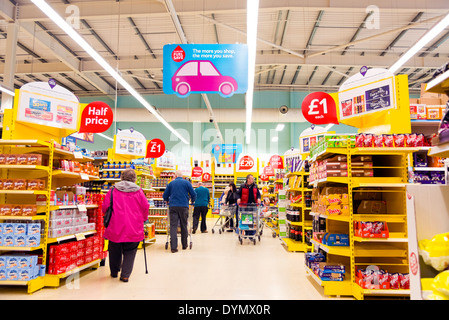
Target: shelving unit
{"x":388,"y":185}
{"x":54,"y":179}
{"x":304,"y":224}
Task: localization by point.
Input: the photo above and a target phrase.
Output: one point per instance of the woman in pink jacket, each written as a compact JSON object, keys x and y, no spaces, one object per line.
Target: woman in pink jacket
{"x":125,"y":229}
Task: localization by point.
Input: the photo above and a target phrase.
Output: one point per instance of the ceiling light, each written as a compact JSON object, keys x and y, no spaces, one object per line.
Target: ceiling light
{"x":6,"y":90}
{"x":437,"y":80}
{"x":432,"y":33}
{"x":275,"y":139}
{"x":252,"y":14}
{"x":280,"y":127}
{"x":105,"y":136}
{"x":58,"y":20}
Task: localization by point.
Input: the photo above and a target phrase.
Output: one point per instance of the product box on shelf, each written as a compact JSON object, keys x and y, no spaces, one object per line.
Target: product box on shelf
{"x":335,"y":239}
{"x":371,"y":229}
{"x":19,"y":267}
{"x":377,"y":278}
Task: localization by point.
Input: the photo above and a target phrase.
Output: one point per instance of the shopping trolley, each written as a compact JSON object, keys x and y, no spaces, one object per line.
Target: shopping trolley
{"x":189,"y":227}
{"x":269,"y":219}
{"x":225,"y":214}
{"x":249,"y":222}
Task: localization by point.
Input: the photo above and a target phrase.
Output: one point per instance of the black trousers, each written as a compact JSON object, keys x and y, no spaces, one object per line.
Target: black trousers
{"x":197,"y":213}
{"x":121,"y":257}
{"x":178,"y":214}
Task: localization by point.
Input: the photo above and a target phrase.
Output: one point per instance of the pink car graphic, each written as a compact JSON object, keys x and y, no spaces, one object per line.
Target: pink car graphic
{"x":202,"y":76}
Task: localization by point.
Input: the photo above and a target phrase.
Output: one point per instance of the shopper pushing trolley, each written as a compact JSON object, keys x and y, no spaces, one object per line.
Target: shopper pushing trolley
{"x":248,"y":217}
{"x":177,"y":194}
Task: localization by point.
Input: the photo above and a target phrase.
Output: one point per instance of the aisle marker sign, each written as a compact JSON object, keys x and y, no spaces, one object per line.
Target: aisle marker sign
{"x":206,"y":177}
{"x":155,"y":148}
{"x":319,"y":108}
{"x":96,"y":117}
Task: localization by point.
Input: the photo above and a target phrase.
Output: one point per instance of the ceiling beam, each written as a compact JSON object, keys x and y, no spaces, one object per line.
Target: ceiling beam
{"x":65,"y":56}
{"x":278,"y":60}
{"x":139,"y":8}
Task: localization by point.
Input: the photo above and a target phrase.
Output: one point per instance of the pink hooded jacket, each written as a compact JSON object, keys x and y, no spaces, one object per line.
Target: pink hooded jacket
{"x":130,"y":212}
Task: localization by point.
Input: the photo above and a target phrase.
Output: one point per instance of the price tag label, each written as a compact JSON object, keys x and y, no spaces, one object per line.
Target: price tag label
{"x":80,"y":236}
{"x":206,"y":177}
{"x":77,"y":154}
{"x":155,"y":148}
{"x":84,"y":176}
{"x":319,"y":108}
{"x":197,"y":172}
{"x":82,"y":208}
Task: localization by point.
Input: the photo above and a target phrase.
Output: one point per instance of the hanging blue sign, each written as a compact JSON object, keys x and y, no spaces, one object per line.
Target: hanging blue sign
{"x":226,"y":153}
{"x":205,"y":68}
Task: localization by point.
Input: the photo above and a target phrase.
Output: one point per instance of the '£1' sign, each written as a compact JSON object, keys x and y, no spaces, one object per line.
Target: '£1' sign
{"x":319,"y":108}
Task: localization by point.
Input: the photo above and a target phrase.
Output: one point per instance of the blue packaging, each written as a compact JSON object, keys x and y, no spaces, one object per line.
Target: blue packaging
{"x":3,"y":275}
{"x":20,"y":229}
{"x":2,"y":262}
{"x":8,"y":228}
{"x":33,"y":241}
{"x":41,"y":270}
{"x":33,"y":229}
{"x":336,"y":239}
{"x":12,"y":274}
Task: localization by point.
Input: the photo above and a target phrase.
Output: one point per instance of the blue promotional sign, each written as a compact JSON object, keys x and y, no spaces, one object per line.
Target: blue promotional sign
{"x":226,"y":153}
{"x":205,"y":68}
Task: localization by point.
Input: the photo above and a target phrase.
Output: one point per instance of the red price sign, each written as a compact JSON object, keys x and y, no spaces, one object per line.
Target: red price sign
{"x":276,"y":162}
{"x":206,"y":177}
{"x":246,"y":163}
{"x":269,"y":171}
{"x":319,"y":108}
{"x":155,"y":148}
{"x":197,"y":172}
{"x":178,"y":54}
{"x":264,"y":177}
{"x":96,"y":117}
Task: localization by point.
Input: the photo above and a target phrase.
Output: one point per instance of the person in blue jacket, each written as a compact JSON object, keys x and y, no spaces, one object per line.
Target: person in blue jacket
{"x":201,"y":207}
{"x":177,"y":194}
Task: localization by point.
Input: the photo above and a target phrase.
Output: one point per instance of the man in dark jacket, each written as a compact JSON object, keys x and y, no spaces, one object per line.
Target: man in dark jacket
{"x":248,"y":193}
{"x":177,"y":195}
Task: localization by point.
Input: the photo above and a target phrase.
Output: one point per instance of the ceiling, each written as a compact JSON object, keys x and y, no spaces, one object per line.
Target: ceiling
{"x":302,"y":45}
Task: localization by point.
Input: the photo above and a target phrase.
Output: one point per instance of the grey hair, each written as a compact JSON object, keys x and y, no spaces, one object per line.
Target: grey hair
{"x":129,"y":175}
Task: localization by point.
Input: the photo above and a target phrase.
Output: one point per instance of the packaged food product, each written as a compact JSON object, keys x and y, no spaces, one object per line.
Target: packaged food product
{"x":388,"y":140}
{"x":16,"y":210}
{"x":20,"y":184}
{"x":21,"y":159}
{"x":11,"y":159}
{"x":2,"y":158}
{"x":399,"y":140}
{"x":8,"y":184}
{"x":34,"y":159}
{"x":378,"y":141}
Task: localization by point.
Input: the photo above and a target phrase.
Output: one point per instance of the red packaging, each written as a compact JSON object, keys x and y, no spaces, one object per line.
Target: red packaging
{"x":378,"y":141}
{"x":399,"y":140}
{"x":394,"y":281}
{"x":388,"y":140}
{"x":411,"y":140}
{"x":404,"y":280}
{"x":420,"y":140}
{"x":359,"y":140}
{"x":368,"y":140}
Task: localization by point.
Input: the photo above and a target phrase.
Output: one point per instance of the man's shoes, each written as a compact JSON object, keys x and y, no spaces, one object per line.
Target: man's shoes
{"x":193,"y":231}
{"x":183,"y":248}
{"x":124,"y":279}
{"x":115,"y":275}
{"x":205,"y":231}
{"x":174,"y":250}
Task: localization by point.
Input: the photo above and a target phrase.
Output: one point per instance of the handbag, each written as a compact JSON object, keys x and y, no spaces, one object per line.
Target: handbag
{"x":108,"y":214}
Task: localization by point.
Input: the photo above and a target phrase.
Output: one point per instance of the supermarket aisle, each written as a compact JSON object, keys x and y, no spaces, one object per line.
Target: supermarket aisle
{"x":217,"y":267}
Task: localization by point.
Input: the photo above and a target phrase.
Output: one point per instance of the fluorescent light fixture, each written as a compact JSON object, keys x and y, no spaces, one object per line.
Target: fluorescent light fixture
{"x":432,"y":33}
{"x":6,"y":90}
{"x":58,"y":20}
{"x":438,"y":80}
{"x":275,"y":139}
{"x":252,"y":14}
{"x":105,"y":136}
{"x":330,"y":125}
{"x":280,"y":127}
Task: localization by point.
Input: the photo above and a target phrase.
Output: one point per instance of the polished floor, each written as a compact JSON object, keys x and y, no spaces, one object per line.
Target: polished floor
{"x":217,"y":267}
